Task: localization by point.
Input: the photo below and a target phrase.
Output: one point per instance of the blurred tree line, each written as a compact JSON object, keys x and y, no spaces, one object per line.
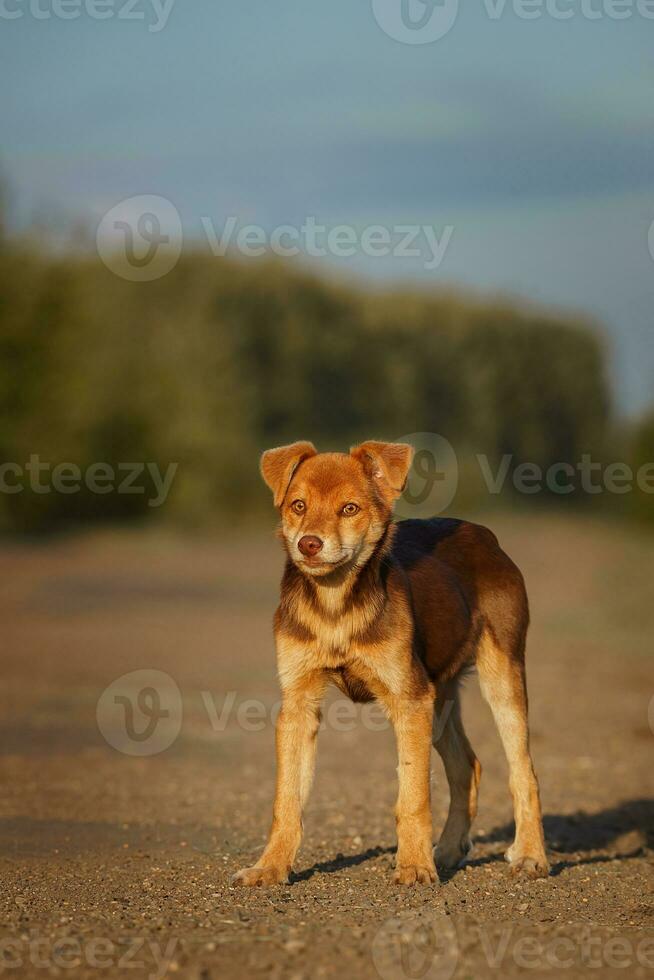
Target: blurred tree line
{"x":221,"y":358}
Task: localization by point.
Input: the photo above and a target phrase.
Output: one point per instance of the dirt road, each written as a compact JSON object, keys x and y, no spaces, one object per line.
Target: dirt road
{"x":128,"y":803}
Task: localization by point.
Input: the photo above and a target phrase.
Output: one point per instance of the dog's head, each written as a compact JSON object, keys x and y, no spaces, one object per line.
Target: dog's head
{"x":335,"y":507}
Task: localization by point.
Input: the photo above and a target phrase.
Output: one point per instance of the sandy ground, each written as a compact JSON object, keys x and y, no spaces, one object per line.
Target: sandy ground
{"x":118,"y":864}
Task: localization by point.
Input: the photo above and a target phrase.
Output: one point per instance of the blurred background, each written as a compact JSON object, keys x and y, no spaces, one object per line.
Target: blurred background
{"x":526,"y":145}
{"x":226,"y":226}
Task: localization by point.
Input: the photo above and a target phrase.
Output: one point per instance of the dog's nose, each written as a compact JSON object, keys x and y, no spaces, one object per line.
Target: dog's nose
{"x":309,"y":545}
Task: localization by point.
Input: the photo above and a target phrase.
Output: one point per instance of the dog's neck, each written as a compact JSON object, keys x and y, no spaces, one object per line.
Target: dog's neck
{"x":336,"y":592}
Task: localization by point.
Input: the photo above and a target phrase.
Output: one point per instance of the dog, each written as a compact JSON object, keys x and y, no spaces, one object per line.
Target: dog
{"x":397,"y":612}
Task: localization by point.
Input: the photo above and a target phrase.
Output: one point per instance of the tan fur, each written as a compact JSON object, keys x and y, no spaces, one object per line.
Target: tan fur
{"x":392,"y":613}
{"x":503,"y":685}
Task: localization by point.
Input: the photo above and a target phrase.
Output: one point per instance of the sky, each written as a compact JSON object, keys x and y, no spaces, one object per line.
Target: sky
{"x":523,"y":140}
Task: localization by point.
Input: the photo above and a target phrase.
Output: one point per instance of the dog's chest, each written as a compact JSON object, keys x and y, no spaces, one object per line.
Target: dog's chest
{"x":334,"y":638}
{"x":358,"y":645}
{"x":342,"y":633}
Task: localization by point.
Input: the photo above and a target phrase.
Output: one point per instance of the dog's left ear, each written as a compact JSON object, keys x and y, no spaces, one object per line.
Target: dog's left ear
{"x":279,"y":465}
{"x":387,"y":463}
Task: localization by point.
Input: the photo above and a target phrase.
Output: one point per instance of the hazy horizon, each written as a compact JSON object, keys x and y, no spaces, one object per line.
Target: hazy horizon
{"x":532,"y":139}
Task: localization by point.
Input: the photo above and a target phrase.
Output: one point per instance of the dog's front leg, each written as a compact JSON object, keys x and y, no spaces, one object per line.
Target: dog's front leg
{"x":296,"y":733}
{"x":412,"y":721}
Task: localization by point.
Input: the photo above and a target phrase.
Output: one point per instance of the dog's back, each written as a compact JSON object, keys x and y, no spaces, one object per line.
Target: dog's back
{"x":462,"y":586}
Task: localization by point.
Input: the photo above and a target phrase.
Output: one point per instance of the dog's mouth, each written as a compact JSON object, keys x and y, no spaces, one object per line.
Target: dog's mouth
{"x":321,"y":565}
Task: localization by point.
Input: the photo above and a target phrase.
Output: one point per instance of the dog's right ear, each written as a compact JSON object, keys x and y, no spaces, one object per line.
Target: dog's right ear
{"x":279,"y":465}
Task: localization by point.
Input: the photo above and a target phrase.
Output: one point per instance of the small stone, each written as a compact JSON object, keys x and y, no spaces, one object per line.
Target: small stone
{"x":294,"y":946}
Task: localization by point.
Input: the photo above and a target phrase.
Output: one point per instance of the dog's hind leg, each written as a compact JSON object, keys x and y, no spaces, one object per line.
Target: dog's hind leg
{"x":463,"y":774}
{"x":503,"y":685}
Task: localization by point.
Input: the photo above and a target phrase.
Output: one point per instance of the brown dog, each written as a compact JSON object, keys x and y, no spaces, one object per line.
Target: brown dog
{"x":395,"y":612}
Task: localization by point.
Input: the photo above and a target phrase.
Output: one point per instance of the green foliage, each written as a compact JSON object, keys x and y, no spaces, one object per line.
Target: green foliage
{"x":219,"y":359}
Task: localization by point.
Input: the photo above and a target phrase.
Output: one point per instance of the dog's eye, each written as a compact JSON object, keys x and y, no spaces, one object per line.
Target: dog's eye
{"x":298,"y":506}
{"x":350,"y":510}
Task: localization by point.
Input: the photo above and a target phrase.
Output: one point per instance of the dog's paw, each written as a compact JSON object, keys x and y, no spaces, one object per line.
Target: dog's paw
{"x":532,"y":867}
{"x":257,"y":877}
{"x":449,"y":856}
{"x":414,"y":874}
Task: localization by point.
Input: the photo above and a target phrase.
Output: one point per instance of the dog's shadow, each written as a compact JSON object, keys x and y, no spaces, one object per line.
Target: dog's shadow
{"x":589,"y":838}
{"x":340,"y":862}
{"x":613,"y":834}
